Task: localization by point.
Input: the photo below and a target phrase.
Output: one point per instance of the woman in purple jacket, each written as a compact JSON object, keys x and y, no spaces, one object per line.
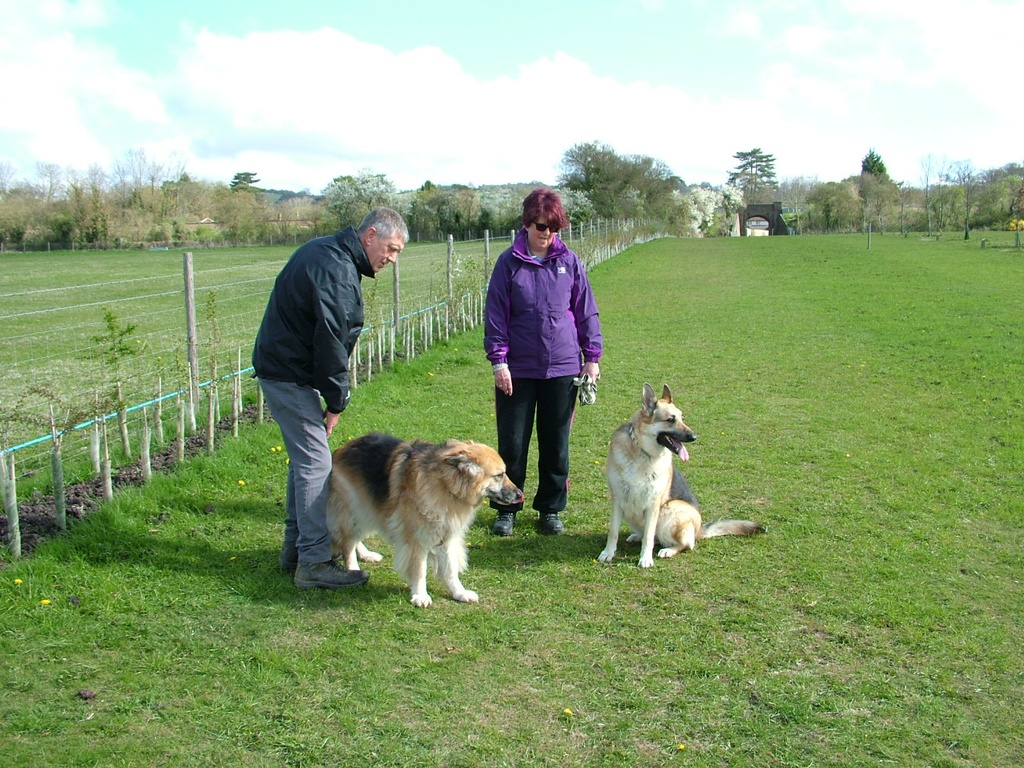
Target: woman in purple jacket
{"x":541,"y":331}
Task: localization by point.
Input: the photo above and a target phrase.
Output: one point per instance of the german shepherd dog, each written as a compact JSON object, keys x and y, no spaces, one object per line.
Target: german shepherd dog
{"x":649,"y":492}
{"x":420,"y":497}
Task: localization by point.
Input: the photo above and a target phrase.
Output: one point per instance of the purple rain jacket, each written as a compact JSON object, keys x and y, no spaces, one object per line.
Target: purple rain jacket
{"x":541,"y":316}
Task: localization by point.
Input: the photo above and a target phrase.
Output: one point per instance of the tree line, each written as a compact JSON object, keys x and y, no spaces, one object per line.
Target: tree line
{"x":142,"y":201}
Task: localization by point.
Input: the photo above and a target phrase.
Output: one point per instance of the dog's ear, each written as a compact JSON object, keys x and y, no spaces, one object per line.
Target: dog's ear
{"x":649,"y":400}
{"x":666,"y":393}
{"x":464,"y":463}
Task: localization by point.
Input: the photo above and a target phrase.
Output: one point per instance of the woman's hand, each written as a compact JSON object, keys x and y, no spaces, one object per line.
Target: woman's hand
{"x":503,"y":381}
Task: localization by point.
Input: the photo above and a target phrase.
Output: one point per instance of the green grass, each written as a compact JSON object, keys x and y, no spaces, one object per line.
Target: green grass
{"x":864,"y":404}
{"x":53,"y":335}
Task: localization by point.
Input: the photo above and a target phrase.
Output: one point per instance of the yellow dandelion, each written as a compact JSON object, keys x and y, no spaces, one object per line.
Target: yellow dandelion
{"x":567,"y":711}
{"x":44,"y":601}
{"x":430,"y":373}
{"x":681,"y":747}
{"x":17,"y":582}
{"x":241,"y":482}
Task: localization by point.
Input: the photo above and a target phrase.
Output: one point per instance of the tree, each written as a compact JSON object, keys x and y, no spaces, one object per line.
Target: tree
{"x":6,"y":177}
{"x":877,"y":191}
{"x":927,"y":172}
{"x":967,"y":178}
{"x":244,"y":180}
{"x":793,"y":193}
{"x":872,"y":163}
{"x":577,"y":206}
{"x":617,"y":185}
{"x":88,"y":200}
{"x":349,"y":198}
{"x":241,"y":213}
{"x":1017,"y":212}
{"x":834,"y":207}
{"x":754,"y":175}
{"x":598,"y":172}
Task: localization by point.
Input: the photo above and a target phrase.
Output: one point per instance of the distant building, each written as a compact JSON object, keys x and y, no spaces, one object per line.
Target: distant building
{"x":765,"y":219}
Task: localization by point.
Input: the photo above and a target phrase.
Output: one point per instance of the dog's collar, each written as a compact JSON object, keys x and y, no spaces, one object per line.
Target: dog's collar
{"x":632,"y":436}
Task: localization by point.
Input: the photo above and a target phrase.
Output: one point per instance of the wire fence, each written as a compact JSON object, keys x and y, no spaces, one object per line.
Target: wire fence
{"x":96,"y":370}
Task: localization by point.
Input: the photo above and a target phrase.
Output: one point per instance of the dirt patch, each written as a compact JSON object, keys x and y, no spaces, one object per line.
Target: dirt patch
{"x":37,"y":516}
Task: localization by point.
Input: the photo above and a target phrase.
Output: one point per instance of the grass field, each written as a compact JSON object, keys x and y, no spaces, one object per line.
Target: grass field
{"x":865,"y":405}
{"x":54,"y":343}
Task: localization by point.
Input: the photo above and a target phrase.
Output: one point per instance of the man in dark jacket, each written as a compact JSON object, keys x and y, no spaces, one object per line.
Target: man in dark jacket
{"x":301,"y":357}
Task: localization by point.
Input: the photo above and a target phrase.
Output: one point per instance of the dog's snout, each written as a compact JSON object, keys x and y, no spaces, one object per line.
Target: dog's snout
{"x":690,"y":437}
{"x":509,"y":494}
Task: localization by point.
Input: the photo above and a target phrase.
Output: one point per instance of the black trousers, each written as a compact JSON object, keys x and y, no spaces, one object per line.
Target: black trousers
{"x":551,"y":402}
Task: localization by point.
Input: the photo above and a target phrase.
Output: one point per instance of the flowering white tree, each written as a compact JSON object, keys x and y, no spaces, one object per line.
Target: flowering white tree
{"x":578,"y":206}
{"x":349,"y":198}
{"x":712,"y":209}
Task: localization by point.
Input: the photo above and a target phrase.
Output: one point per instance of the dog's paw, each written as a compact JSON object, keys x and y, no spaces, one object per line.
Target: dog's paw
{"x":606,"y":556}
{"x":633,"y":538}
{"x":368,"y":555}
{"x":422,"y":600}
{"x":466,"y":596}
{"x":668,"y":552}
{"x":646,"y":561}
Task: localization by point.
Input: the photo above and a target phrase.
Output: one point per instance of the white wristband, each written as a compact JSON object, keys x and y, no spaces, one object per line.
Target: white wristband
{"x":499,"y":367}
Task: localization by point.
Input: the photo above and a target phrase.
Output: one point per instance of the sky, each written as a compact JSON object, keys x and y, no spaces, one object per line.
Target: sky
{"x":476,"y":93}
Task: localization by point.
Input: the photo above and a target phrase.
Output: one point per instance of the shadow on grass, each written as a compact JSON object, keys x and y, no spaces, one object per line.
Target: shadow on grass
{"x":234,"y":543}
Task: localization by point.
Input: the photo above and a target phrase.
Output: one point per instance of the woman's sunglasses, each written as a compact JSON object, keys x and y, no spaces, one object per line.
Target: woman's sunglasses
{"x":545,"y":227}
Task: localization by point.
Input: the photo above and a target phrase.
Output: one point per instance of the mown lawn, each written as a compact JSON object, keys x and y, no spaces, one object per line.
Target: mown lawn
{"x":865,"y":405}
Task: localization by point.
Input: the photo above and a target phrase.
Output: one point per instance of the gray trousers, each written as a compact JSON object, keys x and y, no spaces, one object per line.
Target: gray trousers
{"x":299,"y":412}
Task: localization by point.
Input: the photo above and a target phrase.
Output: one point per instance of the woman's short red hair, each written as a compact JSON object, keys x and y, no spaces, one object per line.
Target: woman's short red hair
{"x":544,"y":202}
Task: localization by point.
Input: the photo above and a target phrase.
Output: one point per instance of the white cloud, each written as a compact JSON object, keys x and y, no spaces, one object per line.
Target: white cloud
{"x":817,"y":89}
{"x":68,"y":94}
{"x":745,"y":24}
{"x":806,"y":39}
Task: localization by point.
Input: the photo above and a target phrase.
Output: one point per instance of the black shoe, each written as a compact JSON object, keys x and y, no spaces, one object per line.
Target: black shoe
{"x":549,"y":524}
{"x":504,"y":524}
{"x":327,"y":575}
{"x":288,"y":560}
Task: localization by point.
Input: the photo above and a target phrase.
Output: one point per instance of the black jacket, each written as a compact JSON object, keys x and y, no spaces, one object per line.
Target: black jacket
{"x":314,"y":317}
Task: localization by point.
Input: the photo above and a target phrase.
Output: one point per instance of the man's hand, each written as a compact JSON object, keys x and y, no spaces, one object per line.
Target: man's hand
{"x":331,"y":421}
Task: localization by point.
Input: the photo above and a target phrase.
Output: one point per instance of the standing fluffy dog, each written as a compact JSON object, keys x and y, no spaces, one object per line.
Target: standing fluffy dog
{"x":649,"y":492}
{"x":420,"y":497}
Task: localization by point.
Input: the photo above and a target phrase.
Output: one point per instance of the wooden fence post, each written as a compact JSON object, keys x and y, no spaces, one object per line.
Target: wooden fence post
{"x":10,"y":495}
{"x":179,"y":440}
{"x":159,"y":416}
{"x":396,"y":313}
{"x":487,"y":256}
{"x":122,"y":423}
{"x":105,"y":478}
{"x":144,"y":455}
{"x":191,"y":334}
{"x":57,"y":474}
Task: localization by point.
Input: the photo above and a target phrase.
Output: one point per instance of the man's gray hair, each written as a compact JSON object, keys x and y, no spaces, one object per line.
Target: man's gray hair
{"x":386,"y":221}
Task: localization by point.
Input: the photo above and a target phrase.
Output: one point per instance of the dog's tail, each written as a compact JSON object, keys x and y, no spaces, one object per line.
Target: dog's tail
{"x":730,"y":528}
